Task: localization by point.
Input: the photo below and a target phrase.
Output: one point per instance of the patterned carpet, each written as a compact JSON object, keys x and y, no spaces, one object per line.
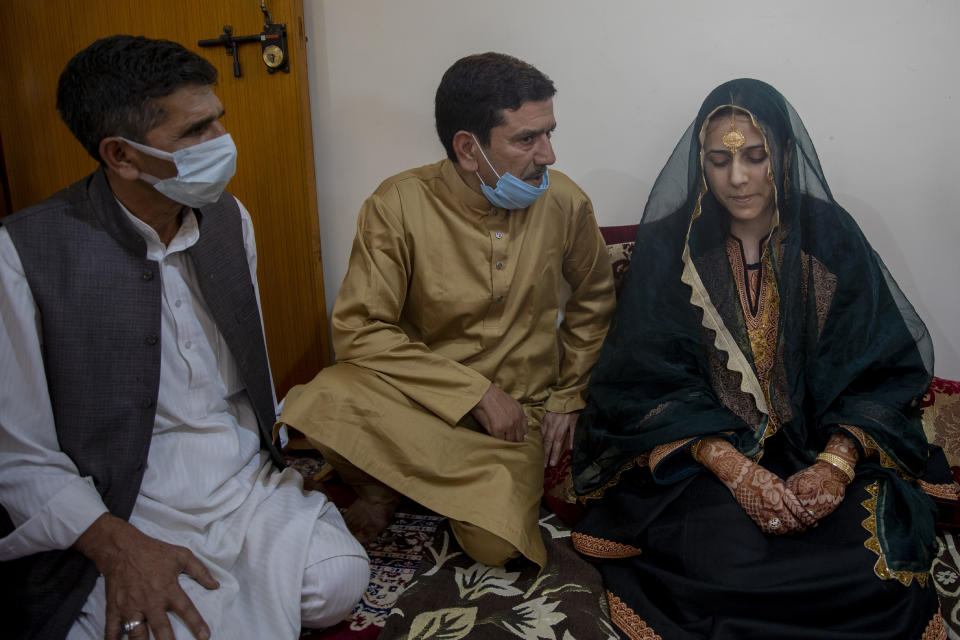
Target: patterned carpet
{"x":453,"y":597}
{"x":946,"y":576}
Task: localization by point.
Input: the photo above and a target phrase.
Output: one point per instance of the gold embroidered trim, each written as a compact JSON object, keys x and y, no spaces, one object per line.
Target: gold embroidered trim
{"x":596,"y":494}
{"x":601,"y":547}
{"x":723,"y":340}
{"x":950,"y":491}
{"x":936,"y":630}
{"x":869,"y":446}
{"x":629,"y":622}
{"x":662,"y":451}
{"x":640,"y":461}
{"x":751,"y":285}
{"x":885,"y":459}
{"x":873,"y":544}
{"x":762,"y":327}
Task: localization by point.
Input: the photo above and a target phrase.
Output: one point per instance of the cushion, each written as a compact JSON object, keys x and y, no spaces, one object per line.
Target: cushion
{"x":620,"y":248}
{"x":941,"y":417}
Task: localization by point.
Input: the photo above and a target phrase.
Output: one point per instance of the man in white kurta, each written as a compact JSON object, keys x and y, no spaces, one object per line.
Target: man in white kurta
{"x":208,"y":485}
{"x":253,"y":554}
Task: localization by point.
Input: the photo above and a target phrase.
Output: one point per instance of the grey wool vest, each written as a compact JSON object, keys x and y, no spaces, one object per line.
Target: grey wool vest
{"x":99,"y":300}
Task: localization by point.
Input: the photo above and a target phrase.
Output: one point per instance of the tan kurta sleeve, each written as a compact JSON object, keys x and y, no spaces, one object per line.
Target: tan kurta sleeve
{"x":586,"y":267}
{"x":366,"y":316}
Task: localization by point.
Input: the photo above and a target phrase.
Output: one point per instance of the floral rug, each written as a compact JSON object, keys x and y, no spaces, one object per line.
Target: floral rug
{"x":453,"y":597}
{"x":946,"y":577}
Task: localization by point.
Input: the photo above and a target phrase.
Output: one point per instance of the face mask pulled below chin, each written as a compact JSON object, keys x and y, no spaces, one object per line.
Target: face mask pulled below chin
{"x":511,"y":192}
{"x":203,"y":170}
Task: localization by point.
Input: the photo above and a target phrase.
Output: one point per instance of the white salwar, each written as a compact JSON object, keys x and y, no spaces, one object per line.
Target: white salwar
{"x":280,"y":555}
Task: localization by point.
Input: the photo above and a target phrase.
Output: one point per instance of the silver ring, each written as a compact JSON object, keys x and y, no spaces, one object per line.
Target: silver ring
{"x":773,"y":523}
{"x":810,"y":511}
{"x":129,"y":626}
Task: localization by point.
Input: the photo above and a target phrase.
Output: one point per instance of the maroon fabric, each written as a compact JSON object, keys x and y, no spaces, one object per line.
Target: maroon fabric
{"x":342,"y":631}
{"x":619,"y":234}
{"x":558,"y":492}
{"x":940,"y":386}
{"x":620,"y":249}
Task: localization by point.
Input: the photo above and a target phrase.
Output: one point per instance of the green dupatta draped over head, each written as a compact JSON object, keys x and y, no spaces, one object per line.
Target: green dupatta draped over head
{"x":677,"y":362}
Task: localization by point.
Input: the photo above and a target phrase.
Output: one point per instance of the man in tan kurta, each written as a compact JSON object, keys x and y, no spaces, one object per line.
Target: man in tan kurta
{"x":451,"y":358}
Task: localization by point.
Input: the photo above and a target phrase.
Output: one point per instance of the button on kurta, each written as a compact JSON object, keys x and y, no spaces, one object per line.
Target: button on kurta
{"x":499,"y":265}
{"x":498,"y":234}
{"x":147,"y":276}
{"x":151,"y":339}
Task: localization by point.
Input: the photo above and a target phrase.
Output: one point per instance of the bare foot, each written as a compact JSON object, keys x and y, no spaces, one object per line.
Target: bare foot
{"x":366,"y":520}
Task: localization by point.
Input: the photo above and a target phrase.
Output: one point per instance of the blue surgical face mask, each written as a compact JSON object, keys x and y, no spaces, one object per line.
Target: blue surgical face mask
{"x":511,"y":192}
{"x":203,"y":170}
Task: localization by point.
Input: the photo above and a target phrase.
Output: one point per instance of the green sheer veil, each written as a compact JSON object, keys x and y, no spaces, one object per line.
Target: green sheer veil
{"x":677,"y":362}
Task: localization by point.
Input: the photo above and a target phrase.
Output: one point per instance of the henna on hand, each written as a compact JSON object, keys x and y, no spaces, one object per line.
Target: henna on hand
{"x":840,"y":444}
{"x":821,"y":487}
{"x":764,"y":496}
{"x":859,"y":437}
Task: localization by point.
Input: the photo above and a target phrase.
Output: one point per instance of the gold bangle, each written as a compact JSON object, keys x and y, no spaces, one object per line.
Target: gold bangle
{"x":838,"y":462}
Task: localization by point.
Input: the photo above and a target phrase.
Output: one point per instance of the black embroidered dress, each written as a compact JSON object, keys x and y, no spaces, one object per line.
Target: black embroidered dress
{"x":774,"y":357}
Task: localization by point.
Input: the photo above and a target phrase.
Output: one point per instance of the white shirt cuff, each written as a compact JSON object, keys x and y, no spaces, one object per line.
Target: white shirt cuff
{"x":58,"y":525}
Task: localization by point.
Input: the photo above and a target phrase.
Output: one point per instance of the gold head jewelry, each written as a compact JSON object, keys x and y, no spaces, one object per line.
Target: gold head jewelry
{"x":734,"y":138}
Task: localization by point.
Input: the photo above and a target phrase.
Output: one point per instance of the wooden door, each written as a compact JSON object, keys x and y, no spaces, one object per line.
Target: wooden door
{"x":267,"y":114}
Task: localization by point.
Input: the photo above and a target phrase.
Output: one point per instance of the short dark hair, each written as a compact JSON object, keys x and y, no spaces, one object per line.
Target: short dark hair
{"x":475,"y":90}
{"x":109,"y":88}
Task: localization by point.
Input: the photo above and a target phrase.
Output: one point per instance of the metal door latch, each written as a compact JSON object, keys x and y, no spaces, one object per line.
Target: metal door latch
{"x":273,"y":44}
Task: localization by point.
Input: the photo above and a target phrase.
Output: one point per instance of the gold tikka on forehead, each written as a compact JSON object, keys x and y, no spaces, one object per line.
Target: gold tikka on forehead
{"x":733,"y":139}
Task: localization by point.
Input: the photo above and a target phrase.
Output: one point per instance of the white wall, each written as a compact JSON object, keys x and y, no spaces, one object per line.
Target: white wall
{"x":875,"y":82}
